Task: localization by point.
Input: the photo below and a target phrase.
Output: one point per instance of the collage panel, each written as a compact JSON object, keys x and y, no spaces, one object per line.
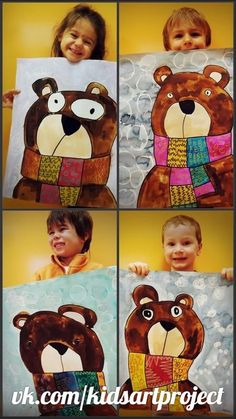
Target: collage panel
{"x":176,"y":332}
{"x":176,"y":264}
{"x":59,"y":327}
{"x":60,"y":154}
{"x":60,"y":138}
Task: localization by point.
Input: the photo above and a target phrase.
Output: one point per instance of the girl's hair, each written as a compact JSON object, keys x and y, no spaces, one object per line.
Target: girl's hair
{"x":81,"y":220}
{"x":186,"y":14}
{"x":184,"y":220}
{"x":82,"y":11}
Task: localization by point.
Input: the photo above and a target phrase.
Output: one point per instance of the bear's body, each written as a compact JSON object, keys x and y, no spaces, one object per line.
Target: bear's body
{"x":163,"y":338}
{"x":68,"y":139}
{"x":192,"y":119}
{"x":64,"y":354}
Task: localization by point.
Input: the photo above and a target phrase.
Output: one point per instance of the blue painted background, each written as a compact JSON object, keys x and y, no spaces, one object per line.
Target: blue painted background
{"x":95,"y":290}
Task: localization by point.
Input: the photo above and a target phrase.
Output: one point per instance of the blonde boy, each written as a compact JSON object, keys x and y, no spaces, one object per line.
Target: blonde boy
{"x":182,"y":243}
{"x":186,"y":29}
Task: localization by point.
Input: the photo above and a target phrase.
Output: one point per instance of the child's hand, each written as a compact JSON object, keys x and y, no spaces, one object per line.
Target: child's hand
{"x":227,"y":273}
{"x":139,"y":268}
{"x":8,"y":97}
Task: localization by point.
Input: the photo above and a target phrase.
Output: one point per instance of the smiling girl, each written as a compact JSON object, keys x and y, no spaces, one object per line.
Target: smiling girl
{"x":80,"y":36}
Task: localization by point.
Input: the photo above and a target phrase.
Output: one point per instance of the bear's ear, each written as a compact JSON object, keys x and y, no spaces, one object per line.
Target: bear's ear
{"x":217,"y":73}
{"x":20,"y":319}
{"x":45,"y":86}
{"x":161,"y":74}
{"x":144,"y":294}
{"x":97,"y":89}
{"x":81,"y":314}
{"x":185,"y":299}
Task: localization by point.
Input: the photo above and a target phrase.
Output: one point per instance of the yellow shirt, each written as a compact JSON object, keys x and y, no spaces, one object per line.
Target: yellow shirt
{"x":80,"y":263}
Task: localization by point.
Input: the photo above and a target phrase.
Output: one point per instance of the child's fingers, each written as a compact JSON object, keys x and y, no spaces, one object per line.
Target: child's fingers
{"x":8,"y":97}
{"x":11,"y":93}
{"x":139,"y":268}
{"x":227,"y":273}
{"x":132,"y":267}
{"x":145,"y":270}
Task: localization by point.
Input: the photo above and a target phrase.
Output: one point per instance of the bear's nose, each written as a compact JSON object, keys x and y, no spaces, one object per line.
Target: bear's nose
{"x":70,"y":125}
{"x":167,"y":325}
{"x":187,"y":106}
{"x":59,"y":347}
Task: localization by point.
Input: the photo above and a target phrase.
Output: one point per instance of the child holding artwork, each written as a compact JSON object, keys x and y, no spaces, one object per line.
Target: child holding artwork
{"x":182,"y":243}
{"x":186,"y":29}
{"x":70,"y":235}
{"x":79,"y":36}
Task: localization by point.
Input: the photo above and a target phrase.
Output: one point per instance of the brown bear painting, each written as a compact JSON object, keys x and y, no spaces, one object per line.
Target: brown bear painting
{"x":68,"y":137}
{"x":64,"y":354}
{"x":192,"y":119}
{"x":163,"y":339}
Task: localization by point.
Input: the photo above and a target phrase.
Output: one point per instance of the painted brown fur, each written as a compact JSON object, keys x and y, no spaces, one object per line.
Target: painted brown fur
{"x":162,"y":331}
{"x":196,"y":107}
{"x":48,"y":340}
{"x":68,"y":140}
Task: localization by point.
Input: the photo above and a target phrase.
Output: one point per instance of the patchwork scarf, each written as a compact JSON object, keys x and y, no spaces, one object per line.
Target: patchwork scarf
{"x":73,"y":381}
{"x":186,"y":158}
{"x":61,"y":178}
{"x":165,"y":372}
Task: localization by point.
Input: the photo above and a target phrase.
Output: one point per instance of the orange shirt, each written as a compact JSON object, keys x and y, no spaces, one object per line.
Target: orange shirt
{"x":80,"y":263}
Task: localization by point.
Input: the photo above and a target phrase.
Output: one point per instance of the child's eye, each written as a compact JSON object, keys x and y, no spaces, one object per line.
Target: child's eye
{"x":170,"y":244}
{"x":87,"y":42}
{"x":73,"y":35}
{"x":195,"y":34}
{"x":187,"y":243}
{"x":178,"y":36}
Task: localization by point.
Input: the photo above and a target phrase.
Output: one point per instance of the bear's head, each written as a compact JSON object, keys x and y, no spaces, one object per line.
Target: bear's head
{"x":70,"y":123}
{"x":63,"y":341}
{"x":190,"y":104}
{"x":164,"y":328}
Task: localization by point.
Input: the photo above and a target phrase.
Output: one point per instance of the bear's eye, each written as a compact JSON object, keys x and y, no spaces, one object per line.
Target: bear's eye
{"x":170,"y":95}
{"x":176,"y":311}
{"x":28,"y":344}
{"x":208,"y":92}
{"x":88,"y":109}
{"x":56,"y":102}
{"x":78,"y":340}
{"x":147,"y":314}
